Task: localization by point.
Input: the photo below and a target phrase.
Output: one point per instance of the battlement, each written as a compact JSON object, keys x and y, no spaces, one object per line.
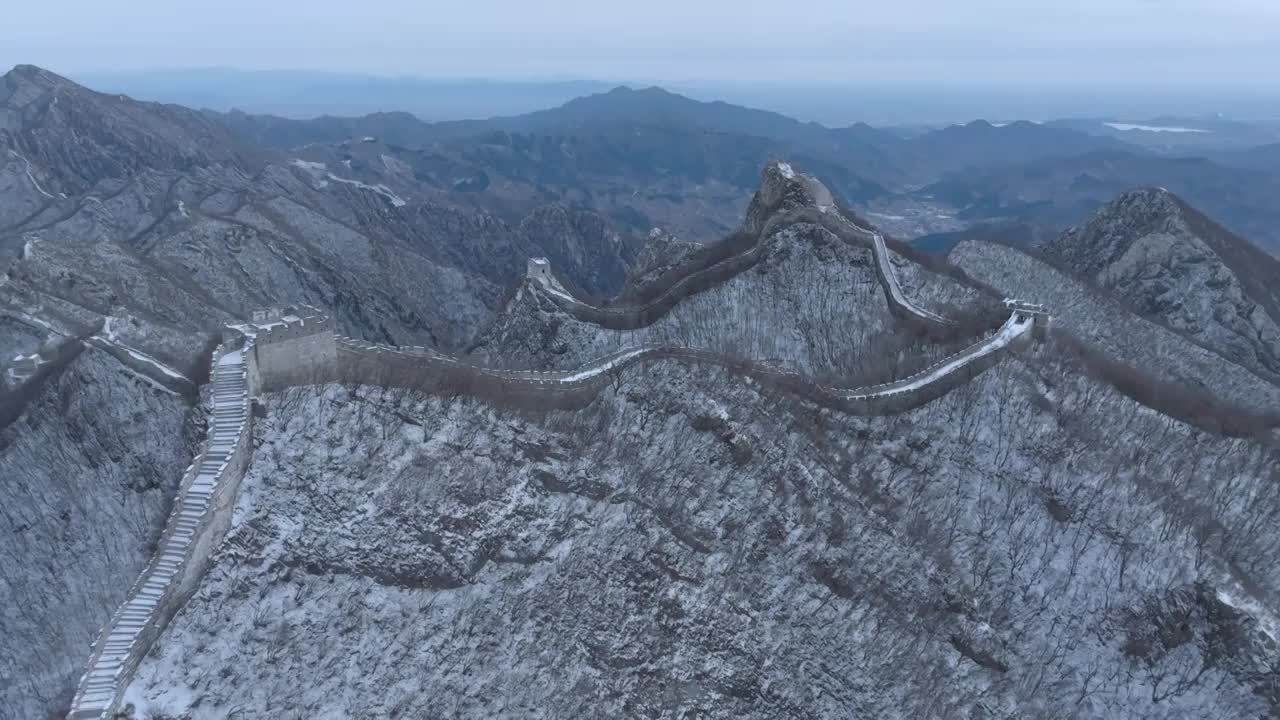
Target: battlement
{"x":286,"y":322}
{"x":295,"y":327}
{"x":276,"y":313}
{"x":291,"y":343}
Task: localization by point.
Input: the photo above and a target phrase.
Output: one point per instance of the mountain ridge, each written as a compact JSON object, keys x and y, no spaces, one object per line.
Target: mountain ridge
{"x":1172,"y":263}
{"x":79,"y":137}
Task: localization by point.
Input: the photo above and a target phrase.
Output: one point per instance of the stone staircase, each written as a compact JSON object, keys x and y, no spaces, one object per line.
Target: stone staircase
{"x":158,"y":589}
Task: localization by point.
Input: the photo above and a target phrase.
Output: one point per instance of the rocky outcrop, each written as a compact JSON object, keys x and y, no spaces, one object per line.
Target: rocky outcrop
{"x":782,"y":189}
{"x":661,"y":252}
{"x":1173,"y":265}
{"x":582,"y":245}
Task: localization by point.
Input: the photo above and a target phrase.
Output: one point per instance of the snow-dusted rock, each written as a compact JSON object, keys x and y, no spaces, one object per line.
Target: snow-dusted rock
{"x":1175,"y":265}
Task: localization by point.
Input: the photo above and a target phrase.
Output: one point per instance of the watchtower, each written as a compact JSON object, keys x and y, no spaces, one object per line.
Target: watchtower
{"x":24,"y":366}
{"x":294,"y":345}
{"x":1040,"y":317}
{"x":539,"y":269}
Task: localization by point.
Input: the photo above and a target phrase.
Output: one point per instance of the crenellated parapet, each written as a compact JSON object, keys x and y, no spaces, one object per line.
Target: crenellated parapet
{"x":292,"y":344}
{"x":283,"y":323}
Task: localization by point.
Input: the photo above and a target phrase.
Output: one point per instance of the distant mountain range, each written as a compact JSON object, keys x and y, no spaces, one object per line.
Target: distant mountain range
{"x":915,"y":184}
{"x":304,"y":93}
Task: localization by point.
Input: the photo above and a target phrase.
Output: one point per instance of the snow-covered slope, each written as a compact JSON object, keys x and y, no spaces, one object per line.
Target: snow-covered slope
{"x":704,"y":534}
{"x":1176,"y":266}
{"x":1033,"y":544}
{"x":1108,"y":324}
{"x":87,"y":475}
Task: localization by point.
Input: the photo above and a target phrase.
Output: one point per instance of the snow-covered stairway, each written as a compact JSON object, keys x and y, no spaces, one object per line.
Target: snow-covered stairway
{"x":171,"y":572}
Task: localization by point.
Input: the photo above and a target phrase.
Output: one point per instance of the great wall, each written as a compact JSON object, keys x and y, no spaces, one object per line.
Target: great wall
{"x":294,"y":346}
{"x":736,"y":255}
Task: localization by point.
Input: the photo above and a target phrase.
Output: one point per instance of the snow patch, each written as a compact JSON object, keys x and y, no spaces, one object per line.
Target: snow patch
{"x":315,"y":169}
{"x":31,"y":177}
{"x":1267,"y":621}
{"x":787,"y":171}
{"x":381,"y":189}
{"x":33,"y":320}
{"x":162,"y":704}
{"x":604,"y":367}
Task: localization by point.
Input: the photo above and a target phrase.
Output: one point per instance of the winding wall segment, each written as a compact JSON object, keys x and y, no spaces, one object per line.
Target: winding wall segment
{"x":286,"y":347}
{"x":202,"y":513}
{"x":639,"y":315}
{"x":893,"y":289}
{"x":422,"y":369}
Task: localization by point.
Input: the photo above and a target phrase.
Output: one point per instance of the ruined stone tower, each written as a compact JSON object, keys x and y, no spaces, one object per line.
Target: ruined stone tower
{"x":539,"y":269}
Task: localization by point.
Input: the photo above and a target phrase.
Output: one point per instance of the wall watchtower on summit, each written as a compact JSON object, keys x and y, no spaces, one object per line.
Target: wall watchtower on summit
{"x":539,"y":270}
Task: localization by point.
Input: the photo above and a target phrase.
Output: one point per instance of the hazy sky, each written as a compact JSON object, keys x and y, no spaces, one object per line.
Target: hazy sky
{"x":1189,"y":42}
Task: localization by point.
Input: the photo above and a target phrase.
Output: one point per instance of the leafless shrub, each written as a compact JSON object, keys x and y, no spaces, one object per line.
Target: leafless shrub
{"x":1194,"y":406}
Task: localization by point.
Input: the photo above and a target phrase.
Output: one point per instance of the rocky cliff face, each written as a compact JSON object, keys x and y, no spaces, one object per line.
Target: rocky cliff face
{"x":662,"y":251}
{"x":1174,"y":265}
{"x":587,"y":249}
